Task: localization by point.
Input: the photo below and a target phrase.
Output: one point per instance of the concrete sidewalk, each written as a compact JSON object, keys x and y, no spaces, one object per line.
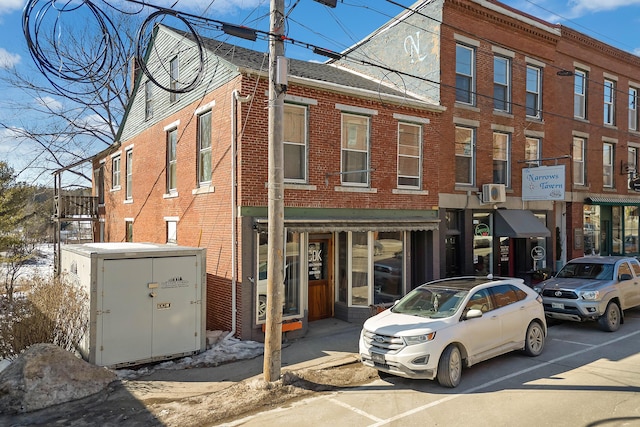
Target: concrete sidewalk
{"x":328,"y":342}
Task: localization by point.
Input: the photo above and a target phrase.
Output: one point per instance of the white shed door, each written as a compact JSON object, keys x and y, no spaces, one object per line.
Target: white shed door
{"x":125,"y":318}
{"x":176,"y":306}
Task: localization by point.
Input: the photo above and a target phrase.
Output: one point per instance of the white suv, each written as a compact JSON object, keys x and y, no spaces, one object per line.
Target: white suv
{"x":441,"y":326}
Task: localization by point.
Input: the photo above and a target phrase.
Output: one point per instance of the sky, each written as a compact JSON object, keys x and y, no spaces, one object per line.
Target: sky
{"x":309,"y":22}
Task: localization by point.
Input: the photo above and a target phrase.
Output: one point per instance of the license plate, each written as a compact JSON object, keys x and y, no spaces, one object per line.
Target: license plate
{"x":377,"y":358}
{"x":557,"y":305}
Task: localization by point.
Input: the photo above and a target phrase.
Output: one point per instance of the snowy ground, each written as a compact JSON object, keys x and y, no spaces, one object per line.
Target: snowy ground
{"x":223,"y":349}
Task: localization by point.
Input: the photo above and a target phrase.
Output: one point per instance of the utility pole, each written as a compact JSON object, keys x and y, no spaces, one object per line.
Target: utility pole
{"x":275,"y":244}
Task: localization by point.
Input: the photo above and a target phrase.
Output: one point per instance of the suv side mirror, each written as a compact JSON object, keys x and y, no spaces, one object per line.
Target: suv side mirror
{"x":624,"y":276}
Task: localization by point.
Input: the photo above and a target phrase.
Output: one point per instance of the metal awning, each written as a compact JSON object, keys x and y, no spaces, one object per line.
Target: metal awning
{"x":613,"y":201}
{"x":328,"y":225}
{"x":519,"y":223}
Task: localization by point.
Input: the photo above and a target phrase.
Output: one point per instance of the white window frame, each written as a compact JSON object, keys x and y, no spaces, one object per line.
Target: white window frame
{"x":304,"y":145}
{"x":172,"y":230}
{"x":579,"y":160}
{"x":174,"y":75}
{"x":129,"y":174}
{"x":148,"y":100}
{"x":470,"y":154}
{"x":632,"y":164}
{"x":506,"y":140}
{"x":608,"y":153}
{"x":207,"y":151}
{"x":115,"y":172}
{"x":580,"y":94}
{"x":531,"y":141}
{"x":633,"y":108}
{"x":505,"y":85}
{"x":172,"y":162}
{"x":404,"y":153}
{"x":467,"y":75}
{"x":609,"y":101}
{"x":534,"y":91}
{"x":347,"y":139}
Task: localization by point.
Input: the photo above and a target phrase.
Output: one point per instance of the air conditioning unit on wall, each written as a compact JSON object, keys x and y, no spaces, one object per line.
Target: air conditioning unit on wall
{"x":493,"y":193}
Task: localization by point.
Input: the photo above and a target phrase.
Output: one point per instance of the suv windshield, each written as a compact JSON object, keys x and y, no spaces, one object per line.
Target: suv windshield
{"x":430,"y":302}
{"x":587,"y":271}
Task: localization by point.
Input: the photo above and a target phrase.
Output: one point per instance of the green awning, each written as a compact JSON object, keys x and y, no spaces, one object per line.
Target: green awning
{"x":519,"y":223}
{"x":613,"y":201}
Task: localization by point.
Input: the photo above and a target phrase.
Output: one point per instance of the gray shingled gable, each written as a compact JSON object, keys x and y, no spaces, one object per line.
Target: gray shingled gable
{"x":244,"y":58}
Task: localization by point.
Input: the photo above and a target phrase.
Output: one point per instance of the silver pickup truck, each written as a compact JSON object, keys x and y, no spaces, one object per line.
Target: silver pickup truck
{"x":593,"y":288}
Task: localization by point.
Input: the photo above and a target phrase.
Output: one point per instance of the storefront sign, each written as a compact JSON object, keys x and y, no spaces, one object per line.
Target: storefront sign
{"x":543,"y":183}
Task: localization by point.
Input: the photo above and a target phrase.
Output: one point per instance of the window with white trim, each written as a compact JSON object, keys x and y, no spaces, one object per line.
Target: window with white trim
{"x":172,"y":160}
{"x":632,"y":164}
{"x":609,"y":102}
{"x":580,"y":94}
{"x":355,"y":150}
{"x":409,"y":155}
{"x":465,"y":155}
{"x":148,"y":100}
{"x":532,"y":151}
{"x":501,"y":158}
{"x":172,"y":231}
{"x":204,"y":148}
{"x":579,"y":160}
{"x":633,"y":108}
{"x":465,"y":70}
{"x":115,"y":172}
{"x":129,"y":179}
{"x":295,"y":143}
{"x":174,"y":74}
{"x":501,"y":84}
{"x":534,"y":90}
{"x":607,"y":164}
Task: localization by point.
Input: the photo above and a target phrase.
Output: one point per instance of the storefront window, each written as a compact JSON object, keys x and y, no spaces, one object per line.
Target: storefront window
{"x":291,"y":295}
{"x":591,"y":229}
{"x":482,"y":244}
{"x":631,"y":228}
{"x":387,"y":267}
{"x":359,"y":268}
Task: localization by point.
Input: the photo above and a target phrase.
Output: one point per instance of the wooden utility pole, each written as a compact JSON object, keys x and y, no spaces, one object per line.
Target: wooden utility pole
{"x":275,"y":244}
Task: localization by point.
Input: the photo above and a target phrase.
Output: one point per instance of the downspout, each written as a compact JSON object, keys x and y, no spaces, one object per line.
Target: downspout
{"x":235,"y":96}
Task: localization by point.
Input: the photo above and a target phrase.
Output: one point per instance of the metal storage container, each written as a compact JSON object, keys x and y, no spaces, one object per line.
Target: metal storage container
{"x":146,"y":302}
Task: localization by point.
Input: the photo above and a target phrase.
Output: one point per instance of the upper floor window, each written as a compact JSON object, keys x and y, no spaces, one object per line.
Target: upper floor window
{"x":355,"y":150}
{"x":172,"y":160}
{"x":204,"y":147}
{"x":609,"y":102}
{"x":607,"y":165}
{"x":128,"y":225}
{"x":129,"y":178}
{"x":465,"y":155}
{"x":579,"y":157}
{"x":409,"y":155}
{"x":115,"y":172}
{"x":98,"y":177}
{"x":580,"y":94}
{"x":633,"y":108}
{"x":148,"y":100}
{"x":465,"y":70}
{"x":174,"y":74}
{"x":532,"y":151}
{"x":501,"y":84}
{"x":501,"y":158}
{"x":295,"y":143}
{"x":534,"y":86}
{"x":172,"y":231}
{"x":632,"y":164}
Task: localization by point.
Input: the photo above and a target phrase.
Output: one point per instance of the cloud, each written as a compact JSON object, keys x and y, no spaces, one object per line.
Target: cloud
{"x":584,"y":7}
{"x":49,"y":102}
{"x":217,"y":7}
{"x":8,"y":59}
{"x":8,"y":6}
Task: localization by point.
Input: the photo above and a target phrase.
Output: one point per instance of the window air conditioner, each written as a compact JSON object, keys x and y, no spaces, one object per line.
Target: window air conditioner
{"x":493,"y":193}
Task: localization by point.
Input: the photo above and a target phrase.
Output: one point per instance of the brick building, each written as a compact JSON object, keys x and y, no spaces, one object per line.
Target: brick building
{"x":474,"y":144}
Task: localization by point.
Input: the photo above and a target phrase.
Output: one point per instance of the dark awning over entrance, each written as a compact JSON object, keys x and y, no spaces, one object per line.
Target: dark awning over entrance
{"x":519,"y":223}
{"x":613,"y":201}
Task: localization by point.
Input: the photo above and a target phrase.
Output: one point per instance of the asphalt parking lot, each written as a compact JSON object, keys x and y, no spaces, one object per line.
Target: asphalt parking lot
{"x":584,"y":377}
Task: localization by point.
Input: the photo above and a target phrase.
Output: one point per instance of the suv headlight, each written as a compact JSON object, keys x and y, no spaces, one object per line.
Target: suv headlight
{"x":590,"y":295}
{"x":419,"y":339}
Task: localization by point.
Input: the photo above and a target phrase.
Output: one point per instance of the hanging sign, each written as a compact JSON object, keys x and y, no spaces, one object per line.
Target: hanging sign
{"x":543,"y":183}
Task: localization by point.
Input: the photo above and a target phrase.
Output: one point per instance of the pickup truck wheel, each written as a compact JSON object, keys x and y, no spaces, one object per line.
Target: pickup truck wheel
{"x":450,"y":367}
{"x":610,"y":320}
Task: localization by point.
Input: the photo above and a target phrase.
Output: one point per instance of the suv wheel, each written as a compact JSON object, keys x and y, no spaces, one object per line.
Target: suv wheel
{"x":450,"y":367}
{"x":534,"y":340}
{"x":610,"y":320}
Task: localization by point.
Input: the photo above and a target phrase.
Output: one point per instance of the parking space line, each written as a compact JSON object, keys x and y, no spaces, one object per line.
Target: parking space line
{"x":498,"y":380}
{"x":574,"y":342}
{"x":356,"y":410}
